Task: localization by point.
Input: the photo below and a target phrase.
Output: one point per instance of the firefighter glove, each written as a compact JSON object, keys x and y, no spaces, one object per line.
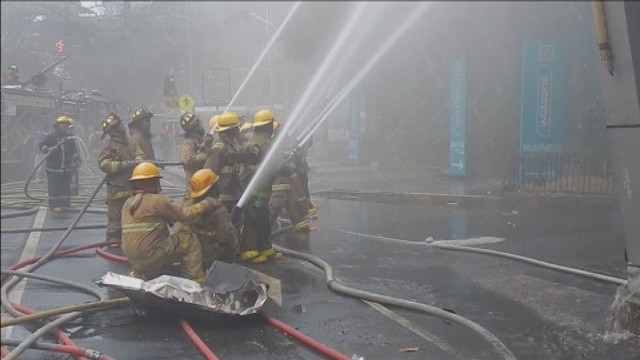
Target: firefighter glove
{"x":209,"y":203}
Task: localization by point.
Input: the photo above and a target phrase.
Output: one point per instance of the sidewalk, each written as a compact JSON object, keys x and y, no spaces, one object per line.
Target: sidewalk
{"x":333,"y":175}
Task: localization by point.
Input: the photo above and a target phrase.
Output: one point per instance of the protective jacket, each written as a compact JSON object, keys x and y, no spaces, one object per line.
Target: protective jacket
{"x":143,"y":141}
{"x":65,"y":157}
{"x":224,"y":161}
{"x":145,"y":218}
{"x":218,"y":237}
{"x":110,"y":161}
{"x":192,"y":158}
{"x":252,"y":155}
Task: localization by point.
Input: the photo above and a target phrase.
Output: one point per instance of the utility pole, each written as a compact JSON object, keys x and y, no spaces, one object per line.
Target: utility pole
{"x":271,"y":62}
{"x":189,"y":48}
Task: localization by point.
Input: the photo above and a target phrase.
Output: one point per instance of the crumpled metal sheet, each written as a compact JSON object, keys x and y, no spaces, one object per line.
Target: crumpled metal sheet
{"x":228,"y":289}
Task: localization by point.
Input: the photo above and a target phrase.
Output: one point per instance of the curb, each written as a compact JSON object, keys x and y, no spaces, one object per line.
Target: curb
{"x":404,"y":198}
{"x":557,"y":202}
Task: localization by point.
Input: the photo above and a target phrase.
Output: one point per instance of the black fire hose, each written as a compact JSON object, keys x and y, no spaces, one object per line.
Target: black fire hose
{"x":33,"y":172}
{"x":53,"y":228}
{"x":334,"y":285}
{"x":20,"y":213}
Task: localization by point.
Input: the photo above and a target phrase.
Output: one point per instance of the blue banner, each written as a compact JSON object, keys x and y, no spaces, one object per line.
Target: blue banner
{"x":543,"y":105}
{"x":457,"y":118}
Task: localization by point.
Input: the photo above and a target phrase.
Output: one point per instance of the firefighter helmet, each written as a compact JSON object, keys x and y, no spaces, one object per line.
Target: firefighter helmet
{"x":227,"y":121}
{"x":145,"y":170}
{"x":201,"y":181}
{"x":140,"y":114}
{"x":64,"y":119}
{"x":213,"y":121}
{"x":187,"y":120}
{"x":262,"y":117}
{"x":109,"y":122}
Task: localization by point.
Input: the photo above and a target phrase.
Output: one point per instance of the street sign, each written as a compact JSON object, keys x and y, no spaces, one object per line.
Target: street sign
{"x":59,"y":47}
{"x":216,"y":86}
{"x":457,"y":118}
{"x":172,"y":103}
{"x":185,"y":102}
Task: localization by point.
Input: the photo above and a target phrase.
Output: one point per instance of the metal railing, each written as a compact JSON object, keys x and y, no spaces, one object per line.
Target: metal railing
{"x":558,"y":173}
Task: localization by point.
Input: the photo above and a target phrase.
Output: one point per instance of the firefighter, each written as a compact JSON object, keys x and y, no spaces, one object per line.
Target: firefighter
{"x":146,"y":241}
{"x":213,"y":121}
{"x":218,"y":237}
{"x":255,"y":242}
{"x":287,"y":193}
{"x":117,"y":158}
{"x":140,"y":130}
{"x":193,"y":153}
{"x":62,"y":160}
{"x":224,"y":158}
{"x":11,"y":76}
{"x":246,"y":129}
{"x":302,"y":171}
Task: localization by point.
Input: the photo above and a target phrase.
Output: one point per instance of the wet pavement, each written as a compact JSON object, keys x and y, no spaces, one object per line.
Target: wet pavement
{"x":537,"y":313}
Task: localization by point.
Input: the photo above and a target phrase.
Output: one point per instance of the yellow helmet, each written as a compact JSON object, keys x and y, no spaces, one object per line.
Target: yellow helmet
{"x":201,"y":181}
{"x":140,"y":114}
{"x":213,"y":121}
{"x":262,"y":117}
{"x":64,"y":119}
{"x":226,"y":121}
{"x":245,"y":127}
{"x":187,"y":120}
{"x":145,"y":170}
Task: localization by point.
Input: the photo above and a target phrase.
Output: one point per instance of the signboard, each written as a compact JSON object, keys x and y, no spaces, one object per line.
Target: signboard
{"x":33,"y":101}
{"x":216,"y":86}
{"x":59,"y":47}
{"x":172,"y":103}
{"x":542,"y":117}
{"x":185,"y":102}
{"x":457,"y":118}
{"x":543,"y":106}
{"x":172,"y":114}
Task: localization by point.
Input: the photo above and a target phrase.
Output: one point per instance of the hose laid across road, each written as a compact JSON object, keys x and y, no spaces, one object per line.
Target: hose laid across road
{"x":333,"y":284}
{"x":53,"y":228}
{"x":24,"y":345}
{"x":315,"y":345}
{"x":566,"y":269}
{"x":65,"y":310}
{"x":62,"y":337}
{"x":65,"y":349}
